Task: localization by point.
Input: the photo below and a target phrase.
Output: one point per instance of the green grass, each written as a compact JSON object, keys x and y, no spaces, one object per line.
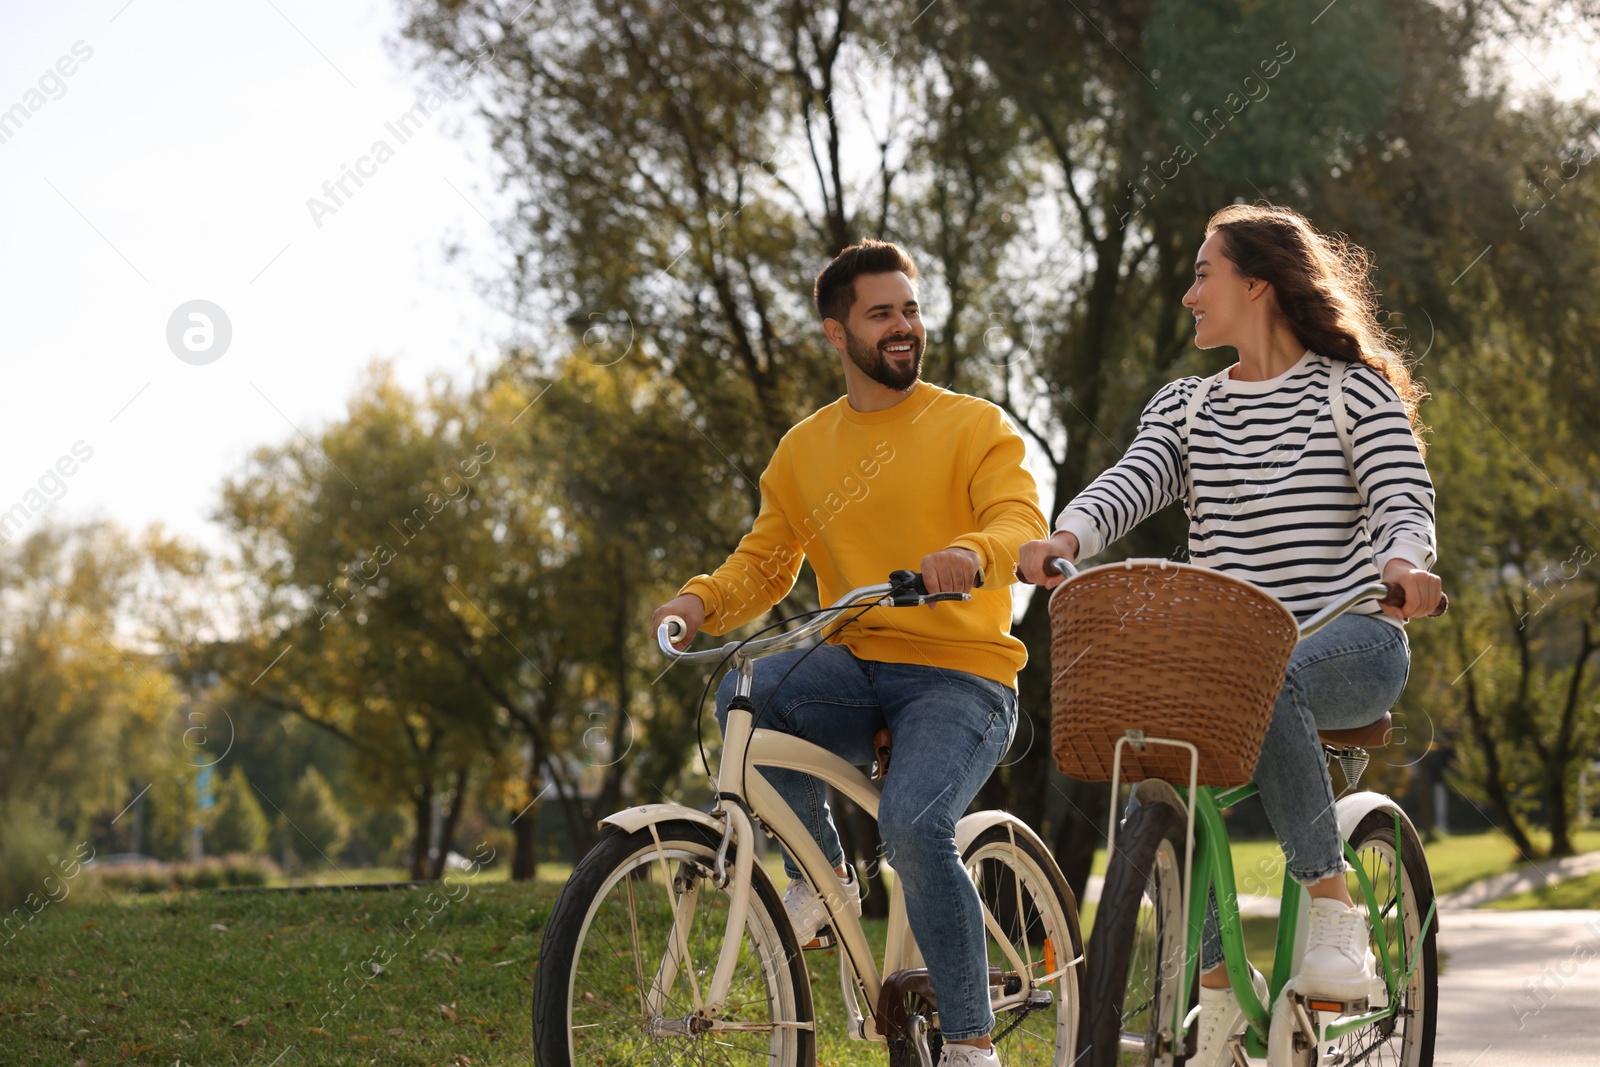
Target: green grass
{"x":1454,"y":860}
{"x":152,"y":980}
{"x":1575,"y":893}
{"x":200,"y":977}
{"x":1457,"y":861}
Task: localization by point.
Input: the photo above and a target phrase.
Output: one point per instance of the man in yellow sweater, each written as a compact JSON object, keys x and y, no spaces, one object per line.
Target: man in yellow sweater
{"x":894,"y":473}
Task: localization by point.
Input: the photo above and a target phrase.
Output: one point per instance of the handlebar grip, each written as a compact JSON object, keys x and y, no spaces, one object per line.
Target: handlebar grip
{"x":676,"y":627}
{"x":909,"y":586}
{"x":1396,"y":598}
{"x":1060,"y":564}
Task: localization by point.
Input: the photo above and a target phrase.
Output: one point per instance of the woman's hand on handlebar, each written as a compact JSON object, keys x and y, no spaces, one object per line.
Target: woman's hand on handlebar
{"x":951,"y":570}
{"x":688,"y":607}
{"x":1033,"y":556}
{"x":1422,"y":589}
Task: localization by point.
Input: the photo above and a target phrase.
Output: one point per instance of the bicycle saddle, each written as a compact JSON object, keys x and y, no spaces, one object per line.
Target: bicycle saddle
{"x":1374,"y":735}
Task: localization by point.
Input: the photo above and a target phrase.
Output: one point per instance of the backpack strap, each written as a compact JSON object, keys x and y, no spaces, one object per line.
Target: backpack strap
{"x":1341,"y":422}
{"x":1197,"y":398}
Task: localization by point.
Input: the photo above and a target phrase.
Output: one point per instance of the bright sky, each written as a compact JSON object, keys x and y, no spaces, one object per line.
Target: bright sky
{"x":174,"y":164}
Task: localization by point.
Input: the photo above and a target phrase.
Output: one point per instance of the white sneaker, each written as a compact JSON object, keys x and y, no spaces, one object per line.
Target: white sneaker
{"x":1220,"y":1018}
{"x":807,"y":911}
{"x":1338,"y":963}
{"x":955,"y":1055}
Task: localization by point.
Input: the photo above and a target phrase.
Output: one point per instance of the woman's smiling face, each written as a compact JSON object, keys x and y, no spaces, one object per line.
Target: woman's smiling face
{"x":1220,"y":298}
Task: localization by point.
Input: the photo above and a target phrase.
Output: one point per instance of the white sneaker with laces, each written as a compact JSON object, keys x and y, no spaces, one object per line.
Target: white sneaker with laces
{"x":1338,"y":963}
{"x":807,"y":911}
{"x":955,"y":1055}
{"x":1220,"y":1018}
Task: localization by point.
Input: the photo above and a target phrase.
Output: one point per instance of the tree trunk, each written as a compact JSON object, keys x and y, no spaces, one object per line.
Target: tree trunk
{"x":422,"y":816}
{"x":1493,"y":785}
{"x":452,"y":818}
{"x":525,"y":858}
{"x":525,"y":826}
{"x":1081,"y":831}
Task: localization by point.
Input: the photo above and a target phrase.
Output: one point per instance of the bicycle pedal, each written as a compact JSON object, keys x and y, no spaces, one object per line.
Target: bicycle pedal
{"x":824,"y":939}
{"x":1334,"y":1006}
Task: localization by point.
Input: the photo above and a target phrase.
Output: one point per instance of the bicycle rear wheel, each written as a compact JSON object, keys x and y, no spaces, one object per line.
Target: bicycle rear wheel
{"x":616,"y":984}
{"x":1403,"y":894}
{"x":1135,"y":960}
{"x":1036,"y":923}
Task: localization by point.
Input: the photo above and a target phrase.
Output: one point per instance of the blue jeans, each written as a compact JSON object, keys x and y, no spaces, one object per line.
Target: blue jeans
{"x":1345,"y":675}
{"x":950,"y":731}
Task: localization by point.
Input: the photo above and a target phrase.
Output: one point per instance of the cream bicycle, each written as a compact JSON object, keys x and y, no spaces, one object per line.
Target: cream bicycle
{"x":670,"y":943}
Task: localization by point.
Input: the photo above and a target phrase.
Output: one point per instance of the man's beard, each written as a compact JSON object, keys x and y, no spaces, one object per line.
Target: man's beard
{"x":870,"y":360}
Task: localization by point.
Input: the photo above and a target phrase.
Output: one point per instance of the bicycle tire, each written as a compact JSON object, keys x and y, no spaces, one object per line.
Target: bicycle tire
{"x":1048,"y":910}
{"x":1373,"y":841}
{"x":1134,"y":961}
{"x":610,"y":939}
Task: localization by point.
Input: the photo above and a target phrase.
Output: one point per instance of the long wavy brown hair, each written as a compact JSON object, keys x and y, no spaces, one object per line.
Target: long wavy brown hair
{"x":1323,"y":288}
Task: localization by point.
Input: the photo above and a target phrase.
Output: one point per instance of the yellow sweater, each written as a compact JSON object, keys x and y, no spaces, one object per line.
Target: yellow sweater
{"x":861,"y":494}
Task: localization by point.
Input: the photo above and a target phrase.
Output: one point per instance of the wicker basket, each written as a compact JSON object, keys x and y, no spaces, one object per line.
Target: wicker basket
{"x":1177,"y":651}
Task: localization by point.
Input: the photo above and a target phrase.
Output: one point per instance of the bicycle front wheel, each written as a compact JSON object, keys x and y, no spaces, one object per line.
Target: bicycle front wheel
{"x":630,"y":951}
{"x":1035,"y":933}
{"x":1403,"y":891}
{"x":1136,"y":958}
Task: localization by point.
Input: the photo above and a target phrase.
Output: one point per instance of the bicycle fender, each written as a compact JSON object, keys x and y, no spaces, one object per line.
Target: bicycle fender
{"x":630,"y":819}
{"x":1350,"y":809}
{"x":1353,"y":808}
{"x":970,"y":826}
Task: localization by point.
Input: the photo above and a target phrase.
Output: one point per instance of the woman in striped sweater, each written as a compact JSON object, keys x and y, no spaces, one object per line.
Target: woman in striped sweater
{"x":1301,"y":472}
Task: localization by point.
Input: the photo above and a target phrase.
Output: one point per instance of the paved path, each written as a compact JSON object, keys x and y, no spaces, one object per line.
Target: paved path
{"x":1545,"y":872}
{"x":1519,"y":987}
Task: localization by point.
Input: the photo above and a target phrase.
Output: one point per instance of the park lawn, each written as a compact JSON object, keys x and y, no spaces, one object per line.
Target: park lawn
{"x":231,"y":978}
{"x":1577,"y":893}
{"x":1457,"y":861}
{"x":1454,"y":860}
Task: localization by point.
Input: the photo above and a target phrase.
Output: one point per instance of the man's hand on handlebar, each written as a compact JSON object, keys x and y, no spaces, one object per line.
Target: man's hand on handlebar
{"x":1422,"y":589}
{"x":950,"y":570}
{"x":1033,"y":556}
{"x":690,"y":608}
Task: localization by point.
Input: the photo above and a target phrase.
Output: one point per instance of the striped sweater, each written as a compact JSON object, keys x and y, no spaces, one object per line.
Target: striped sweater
{"x":1274,"y":500}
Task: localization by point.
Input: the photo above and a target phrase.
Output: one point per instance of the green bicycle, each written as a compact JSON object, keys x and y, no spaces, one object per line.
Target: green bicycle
{"x":1141,"y":1003}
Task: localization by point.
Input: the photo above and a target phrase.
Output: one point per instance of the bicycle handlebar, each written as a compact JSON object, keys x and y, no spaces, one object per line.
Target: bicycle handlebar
{"x":1390,"y":593}
{"x":904,"y":589}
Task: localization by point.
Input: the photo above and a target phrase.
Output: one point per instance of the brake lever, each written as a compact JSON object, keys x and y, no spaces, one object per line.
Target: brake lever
{"x":907,"y":590}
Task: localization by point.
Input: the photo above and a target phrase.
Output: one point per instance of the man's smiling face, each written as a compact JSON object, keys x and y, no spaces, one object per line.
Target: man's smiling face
{"x":884,"y":336}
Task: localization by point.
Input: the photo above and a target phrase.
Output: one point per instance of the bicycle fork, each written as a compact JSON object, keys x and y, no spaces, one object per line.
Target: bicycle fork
{"x":682,"y":896}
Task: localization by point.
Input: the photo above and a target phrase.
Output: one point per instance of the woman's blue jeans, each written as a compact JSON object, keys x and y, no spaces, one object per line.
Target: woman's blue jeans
{"x":950,"y":731}
{"x":1345,"y":675}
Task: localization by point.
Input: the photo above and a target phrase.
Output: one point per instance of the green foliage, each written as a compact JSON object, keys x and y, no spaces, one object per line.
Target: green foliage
{"x":239,"y":825}
{"x":31,"y":847}
{"x":210,"y":872}
{"x":78,"y":710}
{"x":1255,"y":93}
{"x":313,"y":824}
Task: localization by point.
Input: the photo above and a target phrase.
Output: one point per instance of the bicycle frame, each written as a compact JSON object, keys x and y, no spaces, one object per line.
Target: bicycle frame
{"x":1208,"y":862}
{"x":1213,"y":865}
{"x":741,"y":790}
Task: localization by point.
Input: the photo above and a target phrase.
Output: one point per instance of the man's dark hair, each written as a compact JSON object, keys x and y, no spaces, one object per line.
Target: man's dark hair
{"x":835,"y":291}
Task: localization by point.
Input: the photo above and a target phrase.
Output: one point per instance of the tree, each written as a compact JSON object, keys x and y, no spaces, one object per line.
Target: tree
{"x":239,"y":825}
{"x":680,"y":171}
{"x":313,"y":825}
{"x":81,"y":706}
{"x":349,"y":539}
